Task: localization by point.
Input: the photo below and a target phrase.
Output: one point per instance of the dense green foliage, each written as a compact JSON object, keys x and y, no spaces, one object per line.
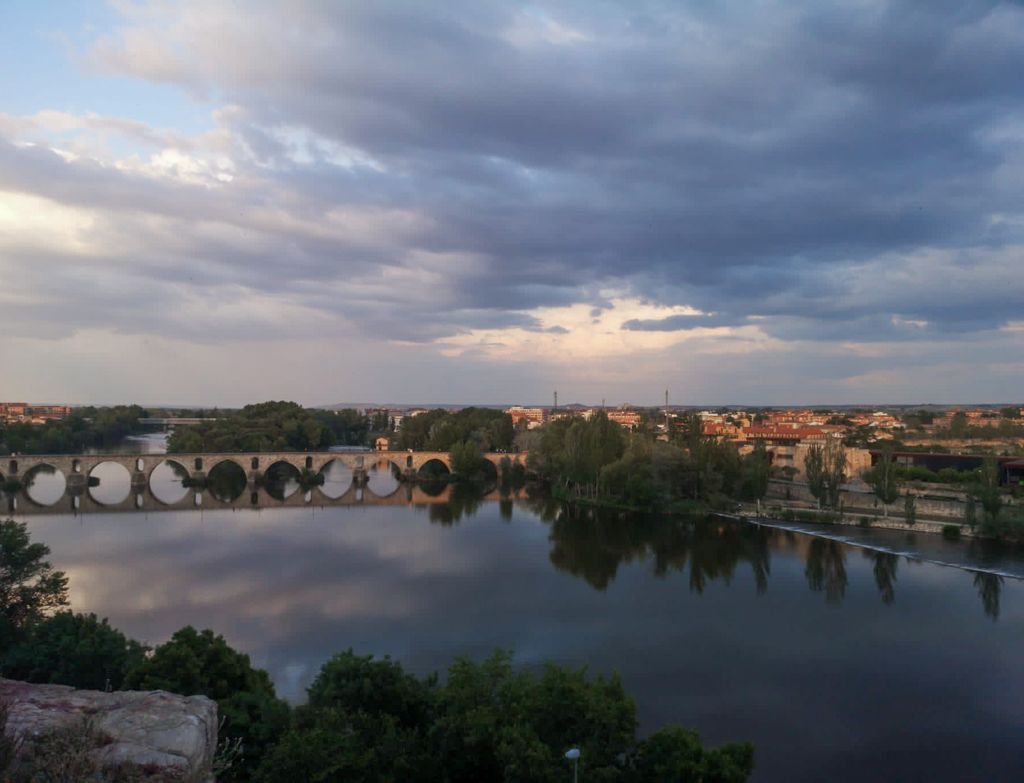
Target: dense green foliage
{"x":466,"y":459}
{"x":85,"y":428}
{"x":675,"y":754}
{"x":440,"y":430}
{"x":597,"y":459}
{"x":73,"y":649}
{"x":274,"y":426}
{"x":368,"y":720}
{"x":29,"y":586}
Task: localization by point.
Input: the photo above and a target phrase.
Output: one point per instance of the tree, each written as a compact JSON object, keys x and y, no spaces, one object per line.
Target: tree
{"x":910,"y":509}
{"x":194,"y":662}
{"x":676,"y":754}
{"x":882,"y":479}
{"x":988,"y":492}
{"x":465,"y":458}
{"x":494,"y":723}
{"x":814,"y":470}
{"x":377,"y":687}
{"x":958,"y":426}
{"x":825,"y":468}
{"x":29,"y":586}
{"x":971,"y":512}
{"x":756,"y":470}
{"x":74,"y":649}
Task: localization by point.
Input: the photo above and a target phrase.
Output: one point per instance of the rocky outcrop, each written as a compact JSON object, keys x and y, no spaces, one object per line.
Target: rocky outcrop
{"x":170,"y":736}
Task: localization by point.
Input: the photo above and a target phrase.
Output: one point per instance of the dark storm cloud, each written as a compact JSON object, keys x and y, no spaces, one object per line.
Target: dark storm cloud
{"x":774,"y":160}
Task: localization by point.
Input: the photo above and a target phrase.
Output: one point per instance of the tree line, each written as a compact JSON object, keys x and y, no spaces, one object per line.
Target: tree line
{"x":277,"y":426}
{"x":85,"y":428}
{"x":366,"y":718}
{"x":596,"y":460}
{"x":825,"y":470}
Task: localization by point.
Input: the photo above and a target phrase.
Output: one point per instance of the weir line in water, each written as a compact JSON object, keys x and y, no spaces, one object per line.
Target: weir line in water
{"x":874,"y":547}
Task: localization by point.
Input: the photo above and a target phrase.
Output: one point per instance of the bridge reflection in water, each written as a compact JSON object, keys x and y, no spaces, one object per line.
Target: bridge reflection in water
{"x":234,"y":481}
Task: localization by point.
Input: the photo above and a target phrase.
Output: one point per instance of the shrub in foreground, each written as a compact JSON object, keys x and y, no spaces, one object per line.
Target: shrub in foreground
{"x":367,"y":720}
{"x":74,"y":649}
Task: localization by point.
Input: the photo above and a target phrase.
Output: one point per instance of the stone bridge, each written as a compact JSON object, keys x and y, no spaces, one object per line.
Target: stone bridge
{"x":196,"y":500}
{"x":76,"y":470}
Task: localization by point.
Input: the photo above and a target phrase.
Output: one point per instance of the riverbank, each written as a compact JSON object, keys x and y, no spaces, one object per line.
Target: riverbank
{"x":823,"y":517}
{"x":672,"y":507}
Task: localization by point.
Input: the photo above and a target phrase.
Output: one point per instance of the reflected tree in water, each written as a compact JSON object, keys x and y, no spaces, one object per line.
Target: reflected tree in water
{"x":280,"y":480}
{"x":593,"y":544}
{"x":826,"y":569}
{"x":463,"y":501}
{"x":884,"y":567}
{"x":989,"y":587}
{"x":226,"y":481}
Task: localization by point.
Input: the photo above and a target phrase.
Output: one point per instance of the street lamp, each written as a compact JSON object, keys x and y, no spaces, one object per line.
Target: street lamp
{"x":573,"y":754}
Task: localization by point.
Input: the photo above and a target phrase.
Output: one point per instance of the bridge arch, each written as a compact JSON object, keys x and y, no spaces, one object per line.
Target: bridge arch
{"x":161,"y":482}
{"x":383,"y":474}
{"x":338,"y":478}
{"x":43,"y":484}
{"x":281,"y":478}
{"x":227,"y":480}
{"x":215,"y":462}
{"x":434,"y":468}
{"x":109,"y":482}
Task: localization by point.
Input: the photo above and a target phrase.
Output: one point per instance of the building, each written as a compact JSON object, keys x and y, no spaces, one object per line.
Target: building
{"x":625,"y":417}
{"x":529,"y":418}
{"x":23,"y":413}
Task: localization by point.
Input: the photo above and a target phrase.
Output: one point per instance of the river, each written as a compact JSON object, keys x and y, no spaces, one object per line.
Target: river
{"x":842,"y":660}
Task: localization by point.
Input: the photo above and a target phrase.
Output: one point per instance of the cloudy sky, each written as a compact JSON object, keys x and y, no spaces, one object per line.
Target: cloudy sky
{"x":218,"y":203}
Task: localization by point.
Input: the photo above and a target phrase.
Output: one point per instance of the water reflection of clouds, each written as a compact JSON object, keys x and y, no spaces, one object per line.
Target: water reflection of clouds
{"x":294,"y":586}
{"x":218,"y":567}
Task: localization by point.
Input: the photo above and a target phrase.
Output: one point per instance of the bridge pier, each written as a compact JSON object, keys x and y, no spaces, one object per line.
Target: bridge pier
{"x":140,"y":481}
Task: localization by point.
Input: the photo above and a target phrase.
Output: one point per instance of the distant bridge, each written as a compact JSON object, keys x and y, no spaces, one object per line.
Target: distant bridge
{"x":171,"y":421}
{"x":76,"y":470}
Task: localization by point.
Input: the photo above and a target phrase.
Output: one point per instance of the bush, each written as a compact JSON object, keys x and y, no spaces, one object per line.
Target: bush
{"x":951,"y":532}
{"x":375,"y":687}
{"x":74,"y":649}
{"x":864,"y":522}
{"x":367,"y":720}
{"x":674,"y":753}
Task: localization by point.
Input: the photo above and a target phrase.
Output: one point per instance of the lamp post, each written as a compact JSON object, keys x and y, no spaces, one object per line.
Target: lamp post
{"x":573,"y":754}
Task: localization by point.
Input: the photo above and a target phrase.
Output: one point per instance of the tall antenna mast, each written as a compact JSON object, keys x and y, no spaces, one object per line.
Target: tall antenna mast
{"x":556,"y":399}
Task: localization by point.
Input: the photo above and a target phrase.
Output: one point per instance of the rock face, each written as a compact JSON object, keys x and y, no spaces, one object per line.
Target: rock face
{"x":157,"y":730}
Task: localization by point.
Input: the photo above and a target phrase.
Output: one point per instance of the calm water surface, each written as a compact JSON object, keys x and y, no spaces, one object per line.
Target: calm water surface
{"x":838,"y":662}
